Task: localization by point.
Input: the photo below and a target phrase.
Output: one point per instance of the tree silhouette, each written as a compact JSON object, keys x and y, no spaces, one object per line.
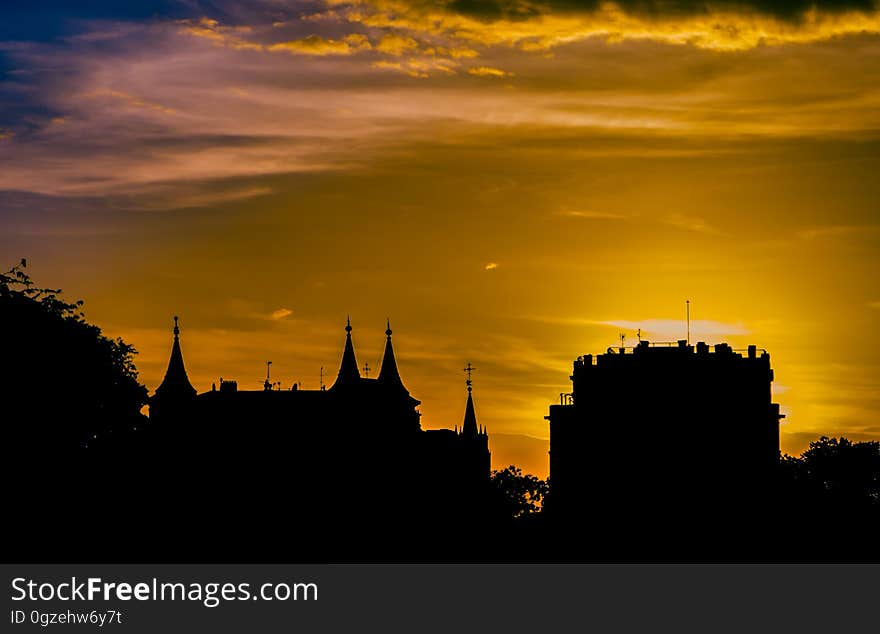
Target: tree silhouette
{"x":63,"y":385}
{"x":516,"y":495}
{"x":836,"y":471}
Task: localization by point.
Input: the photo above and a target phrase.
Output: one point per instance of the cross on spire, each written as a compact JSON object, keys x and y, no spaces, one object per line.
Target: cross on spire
{"x":367,"y":369}
{"x":469,"y":426}
{"x":469,"y":369}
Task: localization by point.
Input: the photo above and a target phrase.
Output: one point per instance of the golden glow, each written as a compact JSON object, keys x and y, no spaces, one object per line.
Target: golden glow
{"x":716,"y":30}
{"x":513,"y":193}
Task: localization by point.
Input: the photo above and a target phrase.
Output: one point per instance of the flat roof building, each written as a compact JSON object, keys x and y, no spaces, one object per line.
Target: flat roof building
{"x":663,"y":428}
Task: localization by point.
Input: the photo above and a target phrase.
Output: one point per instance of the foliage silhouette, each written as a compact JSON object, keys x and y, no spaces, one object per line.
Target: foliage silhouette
{"x":835,"y":472}
{"x":516,"y":495}
{"x":94,"y":395}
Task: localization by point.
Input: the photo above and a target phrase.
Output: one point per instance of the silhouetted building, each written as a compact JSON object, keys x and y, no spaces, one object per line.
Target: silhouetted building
{"x":466,"y":448}
{"x":355,"y":449}
{"x":664,"y":431}
{"x":175,"y":394}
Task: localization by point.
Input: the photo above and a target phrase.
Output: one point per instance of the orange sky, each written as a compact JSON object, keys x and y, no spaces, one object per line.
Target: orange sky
{"x":512,"y":189}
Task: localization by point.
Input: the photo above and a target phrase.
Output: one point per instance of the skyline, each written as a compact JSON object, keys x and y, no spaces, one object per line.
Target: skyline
{"x":512,"y":188}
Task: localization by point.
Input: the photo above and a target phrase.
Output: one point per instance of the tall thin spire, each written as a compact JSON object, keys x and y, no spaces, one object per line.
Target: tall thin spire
{"x":469,"y":427}
{"x":348,"y":369}
{"x":176,"y":383}
{"x":389,"y":374}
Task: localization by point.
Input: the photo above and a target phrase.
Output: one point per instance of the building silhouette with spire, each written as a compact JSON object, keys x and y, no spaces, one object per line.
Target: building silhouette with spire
{"x":334,"y":443}
{"x":175,"y":389}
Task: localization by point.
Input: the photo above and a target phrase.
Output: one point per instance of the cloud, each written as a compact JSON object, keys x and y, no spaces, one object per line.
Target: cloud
{"x":128,"y":99}
{"x":319,"y":46}
{"x":690,"y":223}
{"x":591,"y":215}
{"x":652,"y":329}
{"x":202,"y":198}
{"x":388,"y":65}
{"x":396,"y":45}
{"x":784,"y":9}
{"x":541,"y":26}
{"x":491,"y":266}
{"x":830,"y":231}
{"x":221,"y":35}
{"x":157,"y":103}
{"x":281,"y":313}
{"x":675,"y":329}
{"x":488,"y":71}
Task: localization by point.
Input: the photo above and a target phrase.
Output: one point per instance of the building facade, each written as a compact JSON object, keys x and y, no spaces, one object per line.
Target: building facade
{"x":669,"y":431}
{"x":353,"y":450}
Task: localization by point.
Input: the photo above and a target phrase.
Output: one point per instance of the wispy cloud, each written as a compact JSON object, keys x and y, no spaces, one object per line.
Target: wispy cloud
{"x":491,"y":266}
{"x":319,"y":46}
{"x":192,"y":101}
{"x":674,"y":329}
{"x":831,"y":231}
{"x":651,"y":328}
{"x":489,"y":71}
{"x":281,"y":313}
{"x":690,"y":223}
{"x":591,"y":215}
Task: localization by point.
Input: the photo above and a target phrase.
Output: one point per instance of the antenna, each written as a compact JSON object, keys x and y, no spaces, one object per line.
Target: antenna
{"x":322,"y":378}
{"x":622,"y":341}
{"x":266,"y":384}
{"x":367,"y":370}
{"x":639,"y":335}
{"x":687,"y":303}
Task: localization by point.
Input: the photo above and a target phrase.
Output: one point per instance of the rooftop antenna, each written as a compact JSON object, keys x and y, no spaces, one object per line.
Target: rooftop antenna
{"x":639,"y":335}
{"x":687,"y":303}
{"x":622,"y":341}
{"x":322,"y":378}
{"x":266,"y":384}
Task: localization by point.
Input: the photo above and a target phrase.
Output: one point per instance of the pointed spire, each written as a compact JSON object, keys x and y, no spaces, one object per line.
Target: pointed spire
{"x":176,"y":383}
{"x":469,"y":427}
{"x":388,"y":373}
{"x":348,"y":369}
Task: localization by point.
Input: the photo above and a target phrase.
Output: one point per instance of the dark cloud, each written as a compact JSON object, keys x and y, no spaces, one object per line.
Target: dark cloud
{"x":785,"y":9}
{"x":58,"y":18}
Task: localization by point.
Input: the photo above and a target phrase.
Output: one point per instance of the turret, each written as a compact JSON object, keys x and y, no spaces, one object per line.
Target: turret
{"x":388,"y":373}
{"x":174,"y":395}
{"x":175,"y":386}
{"x":348,"y":369}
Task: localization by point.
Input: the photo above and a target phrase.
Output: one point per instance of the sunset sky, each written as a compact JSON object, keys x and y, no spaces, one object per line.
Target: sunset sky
{"x":513,"y":183}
